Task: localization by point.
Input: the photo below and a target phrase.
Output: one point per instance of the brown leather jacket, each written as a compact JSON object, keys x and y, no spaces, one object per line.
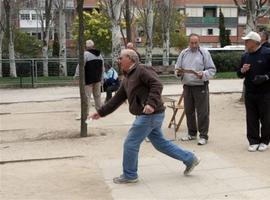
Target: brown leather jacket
{"x":140,"y":86}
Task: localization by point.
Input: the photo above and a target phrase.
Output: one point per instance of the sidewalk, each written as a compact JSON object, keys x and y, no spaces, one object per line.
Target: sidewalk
{"x":57,"y":93}
{"x":54,"y":163}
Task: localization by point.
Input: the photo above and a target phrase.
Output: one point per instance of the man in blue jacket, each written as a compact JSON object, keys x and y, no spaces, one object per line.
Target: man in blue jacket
{"x":255,"y":68}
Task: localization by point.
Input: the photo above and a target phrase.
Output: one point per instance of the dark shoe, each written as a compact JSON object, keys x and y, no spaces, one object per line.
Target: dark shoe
{"x":122,"y":180}
{"x":190,"y":167}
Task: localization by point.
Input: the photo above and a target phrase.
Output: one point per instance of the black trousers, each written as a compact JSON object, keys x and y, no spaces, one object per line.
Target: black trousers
{"x":258,"y":118}
{"x":196,"y":104}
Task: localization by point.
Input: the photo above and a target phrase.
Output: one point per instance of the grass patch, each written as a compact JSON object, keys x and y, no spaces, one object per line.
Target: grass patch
{"x":225,"y":75}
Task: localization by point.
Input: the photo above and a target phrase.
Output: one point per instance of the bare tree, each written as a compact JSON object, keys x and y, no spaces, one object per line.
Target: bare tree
{"x":147,"y":14}
{"x":9,"y":27}
{"x":81,"y":68}
{"x":113,"y":9}
{"x":43,"y":11}
{"x":61,"y":9}
{"x":165,"y":16}
{"x":254,"y":10}
{"x":1,"y":36}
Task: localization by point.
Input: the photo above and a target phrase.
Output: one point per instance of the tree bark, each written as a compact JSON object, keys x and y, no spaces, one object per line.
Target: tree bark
{"x":10,"y":38}
{"x":1,"y":37}
{"x":166,"y":12}
{"x":149,"y":32}
{"x":62,"y":38}
{"x":81,"y":69}
{"x":113,"y":9}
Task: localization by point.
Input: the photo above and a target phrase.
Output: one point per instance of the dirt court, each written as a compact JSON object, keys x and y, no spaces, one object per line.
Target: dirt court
{"x":43,"y":157}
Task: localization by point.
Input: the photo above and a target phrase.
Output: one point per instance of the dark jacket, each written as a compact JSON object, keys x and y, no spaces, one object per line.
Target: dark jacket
{"x":141,"y":87}
{"x":93,"y":66}
{"x":259,"y":65}
{"x":266,"y":44}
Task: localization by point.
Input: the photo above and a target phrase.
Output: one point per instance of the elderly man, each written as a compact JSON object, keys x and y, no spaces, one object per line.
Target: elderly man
{"x":94,"y":67}
{"x":264,"y":39}
{"x":142,"y":88}
{"x":195,"y":67}
{"x":255,"y":67}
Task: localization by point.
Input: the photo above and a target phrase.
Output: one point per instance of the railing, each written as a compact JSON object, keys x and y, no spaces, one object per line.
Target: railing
{"x":30,"y":71}
{"x":203,"y":21}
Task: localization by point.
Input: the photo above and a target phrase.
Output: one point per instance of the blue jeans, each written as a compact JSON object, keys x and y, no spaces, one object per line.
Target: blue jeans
{"x":149,"y":126}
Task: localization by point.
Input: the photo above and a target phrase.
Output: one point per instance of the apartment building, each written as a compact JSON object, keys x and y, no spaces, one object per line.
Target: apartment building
{"x":31,"y":15}
{"x":202,"y":18}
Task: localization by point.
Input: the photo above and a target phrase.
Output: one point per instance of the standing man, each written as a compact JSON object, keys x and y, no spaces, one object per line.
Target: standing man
{"x":264,"y":39}
{"x":255,"y":67}
{"x":195,"y":67}
{"x":142,"y":88}
{"x":93,"y":68}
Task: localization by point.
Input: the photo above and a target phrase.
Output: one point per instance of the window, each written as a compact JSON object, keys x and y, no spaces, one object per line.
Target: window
{"x":209,"y":31}
{"x":209,"y":12}
{"x":25,"y":16}
{"x":34,"y":16}
{"x":228,"y":31}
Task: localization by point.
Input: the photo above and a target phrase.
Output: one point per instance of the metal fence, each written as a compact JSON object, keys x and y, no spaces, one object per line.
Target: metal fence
{"x":30,"y":71}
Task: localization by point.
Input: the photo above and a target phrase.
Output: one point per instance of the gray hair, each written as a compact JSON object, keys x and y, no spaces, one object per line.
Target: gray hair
{"x":265,"y":34}
{"x":89,"y":44}
{"x":131,"y":54}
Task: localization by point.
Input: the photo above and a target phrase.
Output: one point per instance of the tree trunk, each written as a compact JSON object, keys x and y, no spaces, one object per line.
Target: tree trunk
{"x":149,"y":32}
{"x":9,"y":34}
{"x":1,"y":42}
{"x":45,"y":60}
{"x":166,"y":49}
{"x":11,"y":51}
{"x":116,"y":43}
{"x":114,"y":12}
{"x":81,"y":68}
{"x":62,"y":39}
{"x":128,"y":21}
{"x":166,"y":32}
{"x":1,"y":38}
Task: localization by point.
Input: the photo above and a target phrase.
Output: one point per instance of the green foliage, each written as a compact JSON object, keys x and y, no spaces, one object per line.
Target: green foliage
{"x":177,"y":37}
{"x":222,"y":30}
{"x":224,"y":35}
{"x":97,"y":28}
{"x":227,"y":61}
{"x":25,"y":46}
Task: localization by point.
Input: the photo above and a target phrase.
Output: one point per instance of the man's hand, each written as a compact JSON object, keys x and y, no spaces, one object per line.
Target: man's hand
{"x":178,"y":72}
{"x":199,"y":74}
{"x":94,"y":116}
{"x":259,"y":79}
{"x":245,"y":68}
{"x":148,"y":109}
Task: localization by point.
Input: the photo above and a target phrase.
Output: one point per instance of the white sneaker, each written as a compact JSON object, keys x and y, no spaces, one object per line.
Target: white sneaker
{"x":263,"y":147}
{"x":188,"y":138}
{"x":78,"y":117}
{"x":202,"y":141}
{"x":253,"y":147}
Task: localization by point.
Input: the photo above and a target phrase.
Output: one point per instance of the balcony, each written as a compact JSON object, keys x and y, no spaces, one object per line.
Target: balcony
{"x":210,"y":21}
